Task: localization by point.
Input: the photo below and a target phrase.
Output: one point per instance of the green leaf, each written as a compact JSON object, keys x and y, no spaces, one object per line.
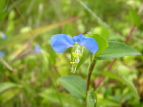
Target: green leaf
{"x":102,"y":43}
{"x":134,"y":18}
{"x":62,"y":99}
{"x":5,"y":86}
{"x":74,"y":85}
{"x":116,"y":50}
{"x":104,"y":102}
{"x":121,"y":79}
{"x":8,"y":95}
{"x":91,"y":101}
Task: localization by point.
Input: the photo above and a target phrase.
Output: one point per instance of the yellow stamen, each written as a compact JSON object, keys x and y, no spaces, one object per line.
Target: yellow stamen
{"x":76,"y":55}
{"x":80,"y":55}
{"x":73,"y":63}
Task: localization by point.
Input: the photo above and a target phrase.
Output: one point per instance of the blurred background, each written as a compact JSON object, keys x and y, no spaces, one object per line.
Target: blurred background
{"x":29,"y":68}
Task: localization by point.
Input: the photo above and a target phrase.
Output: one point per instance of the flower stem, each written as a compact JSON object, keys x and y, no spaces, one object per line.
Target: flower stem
{"x":91,"y":67}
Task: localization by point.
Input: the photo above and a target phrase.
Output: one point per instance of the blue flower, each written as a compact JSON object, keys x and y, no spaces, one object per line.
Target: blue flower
{"x":1,"y":53}
{"x":3,"y":36}
{"x":37,"y":49}
{"x":61,"y":42}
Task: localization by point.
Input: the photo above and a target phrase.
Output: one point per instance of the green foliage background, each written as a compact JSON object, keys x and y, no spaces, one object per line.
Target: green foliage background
{"x":30,"y":80}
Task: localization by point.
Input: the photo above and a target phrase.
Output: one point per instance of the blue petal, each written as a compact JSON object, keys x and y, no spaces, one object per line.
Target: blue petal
{"x":37,"y":49}
{"x":1,"y":53}
{"x":88,"y":42}
{"x":79,"y":38}
{"x":61,"y":42}
{"x":3,"y":36}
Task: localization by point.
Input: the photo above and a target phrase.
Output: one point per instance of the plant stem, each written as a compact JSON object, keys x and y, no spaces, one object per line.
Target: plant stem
{"x":102,"y":78}
{"x":6,"y":64}
{"x":130,"y":34}
{"x":91,"y":67}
